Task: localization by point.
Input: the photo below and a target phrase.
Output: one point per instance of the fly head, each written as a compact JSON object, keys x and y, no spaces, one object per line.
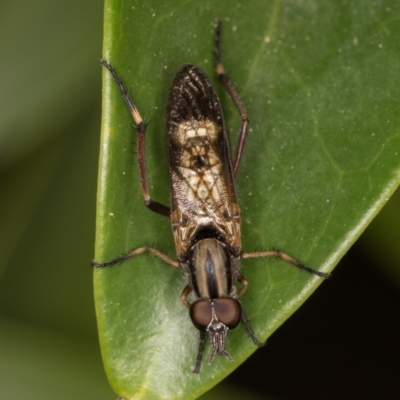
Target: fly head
{"x":216,"y":317}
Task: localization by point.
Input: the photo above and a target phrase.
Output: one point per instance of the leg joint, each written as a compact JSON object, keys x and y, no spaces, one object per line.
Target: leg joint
{"x":141,"y":128}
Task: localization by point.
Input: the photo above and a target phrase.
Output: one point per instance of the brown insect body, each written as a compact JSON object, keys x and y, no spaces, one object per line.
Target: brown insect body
{"x":204,"y":211}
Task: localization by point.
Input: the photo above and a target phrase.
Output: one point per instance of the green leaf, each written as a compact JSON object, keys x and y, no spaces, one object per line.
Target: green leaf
{"x":321,"y":83}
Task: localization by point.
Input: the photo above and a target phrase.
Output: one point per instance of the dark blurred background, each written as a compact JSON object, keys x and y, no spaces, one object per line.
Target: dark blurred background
{"x":343,"y":343}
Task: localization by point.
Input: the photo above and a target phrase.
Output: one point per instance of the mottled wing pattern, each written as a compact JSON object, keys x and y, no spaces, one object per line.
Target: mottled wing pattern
{"x":202,"y":185}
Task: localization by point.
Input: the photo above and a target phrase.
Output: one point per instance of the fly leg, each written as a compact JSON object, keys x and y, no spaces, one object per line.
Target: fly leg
{"x":230,"y":88}
{"x":200,"y":352}
{"x":185,"y":293}
{"x":244,"y":319}
{"x":286,"y":257}
{"x":245,"y":284}
{"x":134,"y":253}
{"x":251,"y":332}
{"x":141,"y":131}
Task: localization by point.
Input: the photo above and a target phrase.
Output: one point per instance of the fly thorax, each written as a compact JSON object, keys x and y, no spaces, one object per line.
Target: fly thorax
{"x":210,"y":269}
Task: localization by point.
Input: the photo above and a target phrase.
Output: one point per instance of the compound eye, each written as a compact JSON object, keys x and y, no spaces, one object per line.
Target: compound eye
{"x":201,"y":314}
{"x":228,"y":311}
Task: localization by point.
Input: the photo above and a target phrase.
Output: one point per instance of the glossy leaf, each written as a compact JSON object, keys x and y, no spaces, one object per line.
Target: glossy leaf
{"x":321,"y":83}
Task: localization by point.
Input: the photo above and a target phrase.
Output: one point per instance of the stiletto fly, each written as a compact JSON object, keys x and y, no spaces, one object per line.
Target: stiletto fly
{"x":204,"y":210}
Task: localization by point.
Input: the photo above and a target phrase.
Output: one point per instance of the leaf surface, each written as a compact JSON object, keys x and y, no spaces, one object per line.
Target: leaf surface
{"x":321,"y":83}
